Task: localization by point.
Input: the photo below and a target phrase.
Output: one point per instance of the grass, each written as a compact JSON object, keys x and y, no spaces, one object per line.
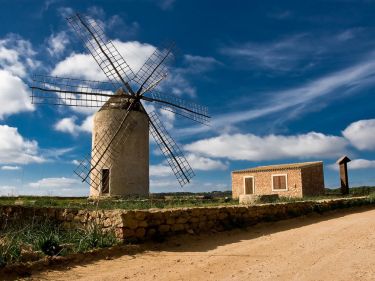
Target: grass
{"x":34,"y":240}
{"x":161,"y":200}
{"x":124,"y":203}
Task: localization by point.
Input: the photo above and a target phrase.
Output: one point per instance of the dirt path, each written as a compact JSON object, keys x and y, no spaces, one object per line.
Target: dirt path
{"x":338,"y":246}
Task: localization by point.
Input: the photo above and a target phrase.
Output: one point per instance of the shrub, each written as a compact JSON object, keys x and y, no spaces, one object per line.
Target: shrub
{"x":35,"y":239}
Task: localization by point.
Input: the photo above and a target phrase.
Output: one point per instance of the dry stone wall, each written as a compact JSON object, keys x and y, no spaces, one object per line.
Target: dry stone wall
{"x":141,"y":225}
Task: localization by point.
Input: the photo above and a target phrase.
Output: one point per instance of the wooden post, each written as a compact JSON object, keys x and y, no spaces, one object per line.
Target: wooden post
{"x":343,"y":164}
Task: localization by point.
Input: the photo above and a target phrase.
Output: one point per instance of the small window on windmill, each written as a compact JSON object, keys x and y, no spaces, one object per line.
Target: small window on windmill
{"x":105,"y":181}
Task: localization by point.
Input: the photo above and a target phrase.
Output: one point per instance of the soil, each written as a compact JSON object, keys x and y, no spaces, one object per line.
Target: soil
{"x":332,"y":246}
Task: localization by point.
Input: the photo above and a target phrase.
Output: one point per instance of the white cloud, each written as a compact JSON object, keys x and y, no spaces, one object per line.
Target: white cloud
{"x":297,"y":53}
{"x":199,"y":64}
{"x":14,"y":149}
{"x":79,"y":66}
{"x":167,"y":118}
{"x":160,"y":170}
{"x":69,"y":125}
{"x":10,"y":168}
{"x":7,"y":190}
{"x":16,"y":58}
{"x":55,"y":183}
{"x":197,"y":163}
{"x":361,"y":134}
{"x":204,"y":163}
{"x":57,"y":43}
{"x":16,"y":55}
{"x":361,"y":164}
{"x":135,"y":53}
{"x":255,"y":148}
{"x":356,"y":164}
{"x":61,"y":186}
{"x":84,"y":66}
{"x":14,"y":95}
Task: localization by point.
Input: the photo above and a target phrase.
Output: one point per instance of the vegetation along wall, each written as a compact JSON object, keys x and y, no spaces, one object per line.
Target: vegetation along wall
{"x":140,"y":225}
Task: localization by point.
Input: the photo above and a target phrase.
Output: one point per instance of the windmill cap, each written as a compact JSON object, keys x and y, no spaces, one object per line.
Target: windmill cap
{"x":343,"y":159}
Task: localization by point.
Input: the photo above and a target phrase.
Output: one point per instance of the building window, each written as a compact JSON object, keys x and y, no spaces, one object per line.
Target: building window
{"x":248,"y":185}
{"x":105,"y":181}
{"x":279,"y":183}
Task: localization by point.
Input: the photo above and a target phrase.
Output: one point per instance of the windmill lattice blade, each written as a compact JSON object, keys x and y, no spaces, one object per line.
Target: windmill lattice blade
{"x":104,"y":52}
{"x":154,"y":69}
{"x":171,"y":151}
{"x":193,"y":111}
{"x":70,"y":92}
{"x":105,"y":152}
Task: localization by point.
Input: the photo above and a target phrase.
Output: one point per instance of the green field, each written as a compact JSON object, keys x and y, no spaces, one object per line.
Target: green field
{"x":161,"y":200}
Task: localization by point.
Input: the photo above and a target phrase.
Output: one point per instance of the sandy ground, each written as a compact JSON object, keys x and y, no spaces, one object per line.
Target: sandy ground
{"x":335,"y":246}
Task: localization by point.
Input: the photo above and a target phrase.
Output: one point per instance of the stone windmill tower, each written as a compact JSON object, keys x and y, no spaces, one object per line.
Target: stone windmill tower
{"x":118,"y":164}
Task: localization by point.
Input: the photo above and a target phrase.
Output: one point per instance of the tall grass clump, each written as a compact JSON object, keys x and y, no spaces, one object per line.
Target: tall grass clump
{"x":29,"y":241}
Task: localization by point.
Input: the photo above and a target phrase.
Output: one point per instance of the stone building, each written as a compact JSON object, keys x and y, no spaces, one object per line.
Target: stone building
{"x":128,"y":172}
{"x":287,"y":180}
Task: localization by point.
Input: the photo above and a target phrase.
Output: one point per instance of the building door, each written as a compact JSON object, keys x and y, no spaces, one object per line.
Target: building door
{"x":105,"y":181}
{"x":249,"y":185}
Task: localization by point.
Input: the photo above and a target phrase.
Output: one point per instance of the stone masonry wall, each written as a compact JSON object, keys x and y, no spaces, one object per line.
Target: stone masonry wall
{"x":313,"y":180}
{"x":263,"y":183}
{"x":141,"y":225}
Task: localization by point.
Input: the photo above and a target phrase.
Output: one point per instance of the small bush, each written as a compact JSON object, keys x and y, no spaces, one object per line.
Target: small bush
{"x":31,"y":239}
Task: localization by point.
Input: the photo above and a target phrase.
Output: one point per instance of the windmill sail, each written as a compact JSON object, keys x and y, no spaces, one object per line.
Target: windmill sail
{"x":179,"y":106}
{"x":154,"y":69}
{"x":171,"y":151}
{"x":104,"y":52}
{"x":70,"y":92}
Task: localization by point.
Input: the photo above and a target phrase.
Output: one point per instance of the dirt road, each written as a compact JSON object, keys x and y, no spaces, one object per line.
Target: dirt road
{"x":338,"y":246}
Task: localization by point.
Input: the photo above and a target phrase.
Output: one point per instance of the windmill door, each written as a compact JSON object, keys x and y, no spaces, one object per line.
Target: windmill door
{"x":105,"y":181}
{"x":249,"y":185}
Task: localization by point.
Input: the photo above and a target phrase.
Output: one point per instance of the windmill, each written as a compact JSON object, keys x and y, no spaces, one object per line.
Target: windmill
{"x":118,"y":164}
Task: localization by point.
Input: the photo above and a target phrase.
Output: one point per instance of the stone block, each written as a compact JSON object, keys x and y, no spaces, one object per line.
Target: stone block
{"x":140,"y":232}
{"x":164,"y":228}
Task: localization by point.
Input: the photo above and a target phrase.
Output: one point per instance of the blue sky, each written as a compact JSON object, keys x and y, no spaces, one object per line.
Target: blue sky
{"x":284,"y":82}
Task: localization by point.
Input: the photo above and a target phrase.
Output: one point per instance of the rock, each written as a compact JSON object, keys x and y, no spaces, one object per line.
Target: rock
{"x":177,"y":227}
{"x":140,"y":232}
{"x":181,"y":220}
{"x":164,"y":228}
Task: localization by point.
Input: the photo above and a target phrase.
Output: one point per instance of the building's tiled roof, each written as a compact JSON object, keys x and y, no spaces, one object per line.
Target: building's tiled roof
{"x":280,"y":167}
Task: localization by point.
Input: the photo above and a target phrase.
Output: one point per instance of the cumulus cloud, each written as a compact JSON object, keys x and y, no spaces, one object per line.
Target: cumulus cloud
{"x":57,"y":43}
{"x":16,"y":55}
{"x":16,"y":59}
{"x":256,"y":148}
{"x":14,"y":95}
{"x":14,"y":149}
{"x":356,"y":164}
{"x":160,"y":170}
{"x":8,"y":190}
{"x":197,"y":163}
{"x":204,"y":163}
{"x":59,"y":186}
{"x":361,"y":134}
{"x":55,"y":182}
{"x":69,"y":125}
{"x":84,"y":66}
